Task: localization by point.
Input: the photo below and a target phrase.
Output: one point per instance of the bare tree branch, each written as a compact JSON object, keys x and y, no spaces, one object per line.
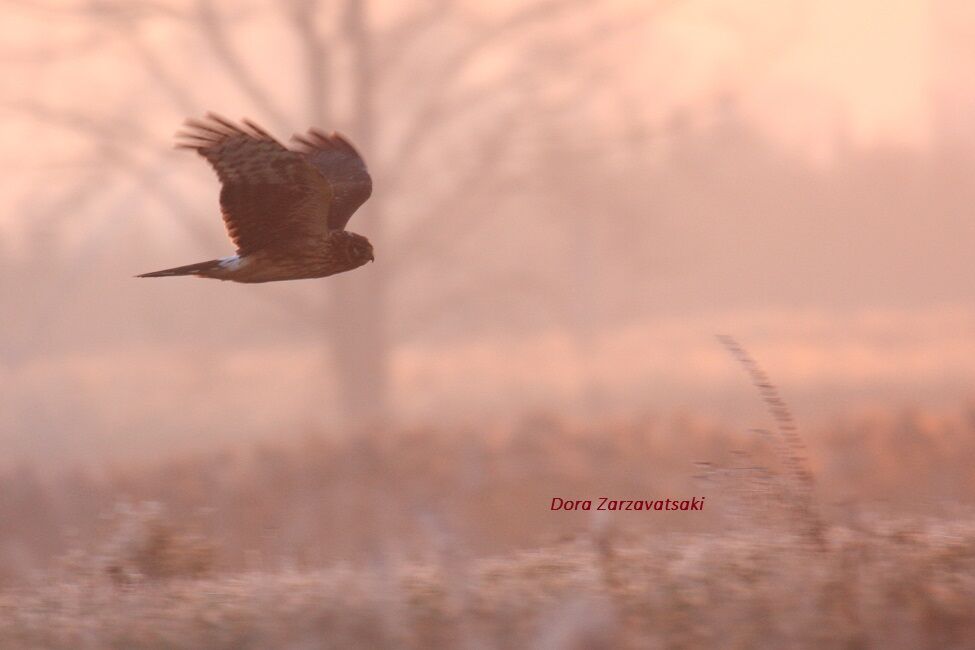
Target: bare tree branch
{"x":48,"y":52}
{"x":444,"y":212}
{"x":178,"y":93}
{"x":97,"y":8}
{"x":163,"y":192}
{"x":439,"y":110}
{"x":108,"y":129}
{"x":317,"y":60}
{"x":432,"y":109}
{"x":214,"y":30}
{"x":492,"y":148}
{"x":397,"y":40}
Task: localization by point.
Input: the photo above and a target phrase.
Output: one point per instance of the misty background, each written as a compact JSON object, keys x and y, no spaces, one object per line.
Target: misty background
{"x":571,"y":199}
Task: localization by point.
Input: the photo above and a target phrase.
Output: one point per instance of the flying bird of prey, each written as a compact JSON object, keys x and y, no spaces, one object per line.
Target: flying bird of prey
{"x":285,"y":209}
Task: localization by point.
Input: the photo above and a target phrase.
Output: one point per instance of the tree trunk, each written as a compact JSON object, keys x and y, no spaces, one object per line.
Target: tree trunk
{"x":358,"y":308}
{"x":360,"y":343}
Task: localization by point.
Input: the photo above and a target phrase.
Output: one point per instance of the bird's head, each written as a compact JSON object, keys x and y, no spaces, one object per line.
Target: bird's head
{"x":357,"y":249}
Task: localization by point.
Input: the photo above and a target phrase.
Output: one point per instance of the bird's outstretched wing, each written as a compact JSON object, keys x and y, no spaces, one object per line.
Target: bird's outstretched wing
{"x":271,"y":197}
{"x":342,"y":167}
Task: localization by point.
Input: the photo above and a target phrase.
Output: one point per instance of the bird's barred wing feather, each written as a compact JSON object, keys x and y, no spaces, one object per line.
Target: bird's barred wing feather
{"x":342,"y":167}
{"x":271,"y":197}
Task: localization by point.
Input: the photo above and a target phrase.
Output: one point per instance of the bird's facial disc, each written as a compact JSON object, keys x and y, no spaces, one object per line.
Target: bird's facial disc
{"x":360,"y":251}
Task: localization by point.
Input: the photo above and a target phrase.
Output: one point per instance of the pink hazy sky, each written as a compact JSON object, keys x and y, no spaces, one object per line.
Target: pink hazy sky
{"x":799,"y":66}
{"x":803,"y":68}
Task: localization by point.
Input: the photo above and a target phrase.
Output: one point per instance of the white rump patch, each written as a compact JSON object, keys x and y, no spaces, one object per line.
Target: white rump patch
{"x":231,"y":263}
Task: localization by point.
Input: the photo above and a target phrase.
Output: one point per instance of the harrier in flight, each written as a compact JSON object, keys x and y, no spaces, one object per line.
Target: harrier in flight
{"x":285,"y":209}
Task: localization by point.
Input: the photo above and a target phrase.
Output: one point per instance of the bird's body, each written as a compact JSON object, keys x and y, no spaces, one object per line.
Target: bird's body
{"x":334,"y":254}
{"x":285,"y":209}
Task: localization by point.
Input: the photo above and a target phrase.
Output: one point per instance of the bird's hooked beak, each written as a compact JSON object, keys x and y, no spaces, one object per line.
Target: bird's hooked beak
{"x":372,"y":257}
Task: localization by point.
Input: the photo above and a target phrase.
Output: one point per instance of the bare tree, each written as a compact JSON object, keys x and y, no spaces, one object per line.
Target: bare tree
{"x":408,"y":92}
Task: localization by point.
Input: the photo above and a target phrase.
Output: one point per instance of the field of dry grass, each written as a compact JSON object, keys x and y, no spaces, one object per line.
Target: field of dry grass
{"x":430,"y":538}
{"x":892,"y":584}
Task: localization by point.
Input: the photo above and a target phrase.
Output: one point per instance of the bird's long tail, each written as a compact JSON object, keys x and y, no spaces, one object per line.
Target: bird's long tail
{"x":200,"y":268}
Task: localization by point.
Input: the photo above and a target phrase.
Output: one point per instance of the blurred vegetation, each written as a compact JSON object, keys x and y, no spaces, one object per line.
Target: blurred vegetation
{"x":443,"y":538}
{"x":308,"y":504}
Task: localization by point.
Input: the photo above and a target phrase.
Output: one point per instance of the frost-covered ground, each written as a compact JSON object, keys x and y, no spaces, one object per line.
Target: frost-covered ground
{"x":429,"y":539}
{"x":892,"y":584}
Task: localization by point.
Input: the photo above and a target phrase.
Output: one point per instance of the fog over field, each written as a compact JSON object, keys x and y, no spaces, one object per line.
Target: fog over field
{"x":572,"y":203}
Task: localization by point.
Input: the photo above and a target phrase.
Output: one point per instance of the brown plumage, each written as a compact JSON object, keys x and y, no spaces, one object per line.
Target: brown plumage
{"x":285,"y":209}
